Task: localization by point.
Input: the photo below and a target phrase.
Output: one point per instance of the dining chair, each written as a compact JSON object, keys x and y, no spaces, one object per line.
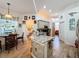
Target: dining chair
{"x":21,"y":37}
{"x":10,"y":42}
{"x":0,"y":46}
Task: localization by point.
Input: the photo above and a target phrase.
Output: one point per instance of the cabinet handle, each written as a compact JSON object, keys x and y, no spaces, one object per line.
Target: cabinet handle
{"x":35,"y":49}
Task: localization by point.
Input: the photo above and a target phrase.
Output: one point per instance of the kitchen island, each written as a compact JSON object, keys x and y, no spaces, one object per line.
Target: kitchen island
{"x":42,"y":46}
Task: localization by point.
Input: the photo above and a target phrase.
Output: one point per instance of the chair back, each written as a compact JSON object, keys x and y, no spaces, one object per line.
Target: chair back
{"x":10,"y":41}
{"x":0,"y":43}
{"x":23,"y":34}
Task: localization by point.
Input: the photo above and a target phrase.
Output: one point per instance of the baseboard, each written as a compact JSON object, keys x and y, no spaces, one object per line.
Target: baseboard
{"x":72,"y":45}
{"x":33,"y":55}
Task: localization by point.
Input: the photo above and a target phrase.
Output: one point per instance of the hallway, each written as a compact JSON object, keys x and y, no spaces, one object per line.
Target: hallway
{"x":62,"y":50}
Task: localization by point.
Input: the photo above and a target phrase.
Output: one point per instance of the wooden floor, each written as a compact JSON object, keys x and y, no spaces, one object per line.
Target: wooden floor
{"x":60,"y":50}
{"x":23,"y":51}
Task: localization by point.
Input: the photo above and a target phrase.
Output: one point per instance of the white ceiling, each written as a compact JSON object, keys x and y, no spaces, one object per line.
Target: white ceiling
{"x":27,"y":6}
{"x":19,"y":6}
{"x":55,"y":5}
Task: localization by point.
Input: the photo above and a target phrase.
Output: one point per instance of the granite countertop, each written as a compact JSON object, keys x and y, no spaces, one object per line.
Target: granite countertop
{"x":42,"y":38}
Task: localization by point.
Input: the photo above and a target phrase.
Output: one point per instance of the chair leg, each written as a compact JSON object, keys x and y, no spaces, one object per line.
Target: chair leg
{"x":0,"y":49}
{"x":16,"y":44}
{"x":22,"y":40}
{"x":8,"y":51}
{"x":16,"y":47}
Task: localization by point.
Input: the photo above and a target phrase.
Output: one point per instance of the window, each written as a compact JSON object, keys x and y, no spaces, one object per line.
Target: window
{"x":72,"y":24}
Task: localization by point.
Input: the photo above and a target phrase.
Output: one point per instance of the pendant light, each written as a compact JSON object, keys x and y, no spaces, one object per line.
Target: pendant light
{"x":8,"y":12}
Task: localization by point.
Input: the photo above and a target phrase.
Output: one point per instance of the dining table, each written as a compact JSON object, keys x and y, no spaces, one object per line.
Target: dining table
{"x":3,"y":39}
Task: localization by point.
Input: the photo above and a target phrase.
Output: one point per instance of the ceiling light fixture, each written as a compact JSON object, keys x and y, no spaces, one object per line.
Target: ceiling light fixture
{"x":44,"y":6}
{"x":50,"y":10}
{"x":8,"y":12}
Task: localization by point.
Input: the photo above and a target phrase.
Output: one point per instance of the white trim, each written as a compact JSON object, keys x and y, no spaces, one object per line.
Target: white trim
{"x":33,"y":55}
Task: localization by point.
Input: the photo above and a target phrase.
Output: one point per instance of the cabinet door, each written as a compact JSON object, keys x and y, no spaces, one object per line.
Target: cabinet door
{"x":37,"y":50}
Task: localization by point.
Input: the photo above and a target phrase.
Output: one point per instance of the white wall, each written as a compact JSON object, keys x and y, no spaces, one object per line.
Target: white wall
{"x":21,"y":18}
{"x":65,"y":34}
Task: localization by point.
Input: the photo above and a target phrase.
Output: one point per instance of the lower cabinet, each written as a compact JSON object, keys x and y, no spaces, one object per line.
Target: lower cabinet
{"x":41,"y":50}
{"x":37,"y":50}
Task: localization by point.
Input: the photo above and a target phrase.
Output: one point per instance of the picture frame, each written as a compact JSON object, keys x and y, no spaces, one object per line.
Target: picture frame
{"x":20,"y":25}
{"x":25,"y":17}
{"x":33,"y":17}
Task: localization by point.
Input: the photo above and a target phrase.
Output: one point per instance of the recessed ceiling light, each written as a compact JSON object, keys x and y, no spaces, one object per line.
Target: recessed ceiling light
{"x":44,"y":6}
{"x":50,"y":10}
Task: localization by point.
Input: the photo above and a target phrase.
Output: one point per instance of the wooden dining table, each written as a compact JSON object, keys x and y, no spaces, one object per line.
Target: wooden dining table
{"x":3,"y":40}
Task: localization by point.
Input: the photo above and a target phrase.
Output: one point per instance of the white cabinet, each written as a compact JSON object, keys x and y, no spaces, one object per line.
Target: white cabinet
{"x":41,"y":49}
{"x":37,"y":49}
